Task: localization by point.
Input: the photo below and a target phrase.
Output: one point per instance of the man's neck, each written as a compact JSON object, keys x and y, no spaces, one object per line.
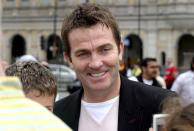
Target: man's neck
{"x":96,"y":96}
{"x":146,"y":77}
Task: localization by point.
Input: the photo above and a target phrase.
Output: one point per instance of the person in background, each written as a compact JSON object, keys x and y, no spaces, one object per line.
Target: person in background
{"x":45,"y":64}
{"x":18,"y":113}
{"x":170,"y":73}
{"x":4,"y":64}
{"x":184,"y":84}
{"x":123,"y":69}
{"x":160,"y":79}
{"x":181,"y":119}
{"x":149,"y":67}
{"x":38,"y":82}
{"x":136,"y":71}
{"x":181,"y":114}
{"x":26,"y":57}
{"x":108,"y":101}
{"x":129,"y":68}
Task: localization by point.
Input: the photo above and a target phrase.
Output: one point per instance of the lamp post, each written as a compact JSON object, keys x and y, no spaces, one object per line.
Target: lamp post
{"x":54,"y":29}
{"x":55,"y":17}
{"x":139,"y":17}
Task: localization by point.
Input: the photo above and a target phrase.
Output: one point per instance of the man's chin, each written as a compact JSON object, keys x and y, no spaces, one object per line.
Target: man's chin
{"x":98,"y":87}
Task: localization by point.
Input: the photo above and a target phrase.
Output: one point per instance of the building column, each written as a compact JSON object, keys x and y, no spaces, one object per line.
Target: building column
{"x":150,"y":46}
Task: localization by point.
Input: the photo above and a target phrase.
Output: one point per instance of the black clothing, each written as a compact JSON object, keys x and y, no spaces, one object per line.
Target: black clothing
{"x":137,"y":103}
{"x":155,"y":82}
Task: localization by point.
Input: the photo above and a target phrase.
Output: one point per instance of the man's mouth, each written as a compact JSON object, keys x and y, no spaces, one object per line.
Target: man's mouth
{"x":97,"y":74}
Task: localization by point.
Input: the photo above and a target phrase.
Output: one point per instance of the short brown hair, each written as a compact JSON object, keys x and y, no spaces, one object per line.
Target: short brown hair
{"x":87,"y":15}
{"x":34,"y":76}
{"x":181,"y":119}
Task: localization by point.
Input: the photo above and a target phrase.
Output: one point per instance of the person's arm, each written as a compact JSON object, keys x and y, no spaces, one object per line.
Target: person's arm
{"x":177,"y":85}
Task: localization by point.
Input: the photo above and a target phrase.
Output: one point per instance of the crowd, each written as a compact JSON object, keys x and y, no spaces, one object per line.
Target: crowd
{"x":149,"y":73}
{"x":111,"y":98}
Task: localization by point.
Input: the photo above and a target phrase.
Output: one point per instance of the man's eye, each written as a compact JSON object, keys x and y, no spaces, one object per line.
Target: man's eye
{"x":81,"y":54}
{"x":106,"y":49}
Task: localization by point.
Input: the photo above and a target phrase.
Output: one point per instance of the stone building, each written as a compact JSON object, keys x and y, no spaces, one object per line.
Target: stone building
{"x":150,"y":28}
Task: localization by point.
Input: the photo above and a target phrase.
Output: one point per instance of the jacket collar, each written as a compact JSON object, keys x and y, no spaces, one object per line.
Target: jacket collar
{"x":129,"y":109}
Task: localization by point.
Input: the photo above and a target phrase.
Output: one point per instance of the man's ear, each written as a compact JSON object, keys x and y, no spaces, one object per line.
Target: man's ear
{"x":68,"y":59}
{"x":121,"y":47}
{"x":144,"y":69}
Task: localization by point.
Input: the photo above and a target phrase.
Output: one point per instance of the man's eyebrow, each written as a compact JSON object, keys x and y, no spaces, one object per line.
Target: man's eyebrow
{"x":86,"y":50}
{"x":80,"y":50}
{"x":105,"y":45}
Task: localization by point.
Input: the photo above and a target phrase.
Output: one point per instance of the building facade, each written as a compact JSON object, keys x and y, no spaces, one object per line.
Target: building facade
{"x":150,"y":28}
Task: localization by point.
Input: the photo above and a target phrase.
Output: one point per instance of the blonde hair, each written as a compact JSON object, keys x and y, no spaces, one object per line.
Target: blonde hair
{"x":34,"y":76}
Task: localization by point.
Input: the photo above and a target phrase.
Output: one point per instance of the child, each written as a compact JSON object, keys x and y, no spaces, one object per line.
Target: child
{"x":38,"y":82}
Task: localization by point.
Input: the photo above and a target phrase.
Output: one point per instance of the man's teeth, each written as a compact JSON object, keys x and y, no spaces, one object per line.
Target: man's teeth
{"x":98,"y":74}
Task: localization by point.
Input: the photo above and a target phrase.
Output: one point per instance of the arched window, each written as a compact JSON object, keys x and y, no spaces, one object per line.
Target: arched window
{"x":133,"y":48}
{"x":18,"y":47}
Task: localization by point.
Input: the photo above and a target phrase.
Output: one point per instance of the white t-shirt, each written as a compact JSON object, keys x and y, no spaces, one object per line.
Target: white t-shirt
{"x":148,"y":82}
{"x":98,"y":111}
{"x":184,"y":86}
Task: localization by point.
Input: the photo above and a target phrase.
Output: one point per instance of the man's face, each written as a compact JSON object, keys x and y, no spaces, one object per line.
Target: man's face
{"x":45,"y":100}
{"x":95,"y":57}
{"x":151,"y":69}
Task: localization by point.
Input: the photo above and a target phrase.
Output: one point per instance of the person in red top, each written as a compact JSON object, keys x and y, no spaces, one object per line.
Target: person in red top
{"x":170,"y":73}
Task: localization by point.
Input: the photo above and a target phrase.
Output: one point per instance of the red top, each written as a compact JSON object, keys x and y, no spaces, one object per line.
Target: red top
{"x":170,"y":74}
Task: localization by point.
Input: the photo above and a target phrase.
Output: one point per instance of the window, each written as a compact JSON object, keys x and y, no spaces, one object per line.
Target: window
{"x":25,"y":0}
{"x":45,"y":1}
{"x":9,"y":0}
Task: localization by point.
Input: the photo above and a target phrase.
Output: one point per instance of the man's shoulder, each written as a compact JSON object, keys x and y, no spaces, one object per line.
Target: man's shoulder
{"x":187,"y":74}
{"x":68,"y":102}
{"x":184,"y":75}
{"x":143,"y":94}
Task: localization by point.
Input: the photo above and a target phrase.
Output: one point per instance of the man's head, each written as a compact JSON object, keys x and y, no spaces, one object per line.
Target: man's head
{"x":192,"y":64}
{"x":87,"y":15}
{"x":38,"y":82}
{"x":169,"y":62}
{"x":149,"y":68}
{"x":180,"y":119}
{"x":93,"y":49}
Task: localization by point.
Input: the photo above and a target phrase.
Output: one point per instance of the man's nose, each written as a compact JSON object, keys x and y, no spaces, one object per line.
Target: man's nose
{"x":95,"y":62}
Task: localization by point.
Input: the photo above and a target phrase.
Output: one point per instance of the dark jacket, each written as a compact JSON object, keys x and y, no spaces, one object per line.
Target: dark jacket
{"x":137,"y":103}
{"x":155,"y":82}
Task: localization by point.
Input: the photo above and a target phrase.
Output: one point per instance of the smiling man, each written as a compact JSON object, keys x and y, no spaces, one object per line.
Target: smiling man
{"x":107,"y":101}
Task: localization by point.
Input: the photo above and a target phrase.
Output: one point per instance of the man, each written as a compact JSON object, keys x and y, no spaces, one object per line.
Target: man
{"x":38,"y":82}
{"x":107,"y":101}
{"x":170,"y":73}
{"x":149,"y":67}
{"x":184,"y":84}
